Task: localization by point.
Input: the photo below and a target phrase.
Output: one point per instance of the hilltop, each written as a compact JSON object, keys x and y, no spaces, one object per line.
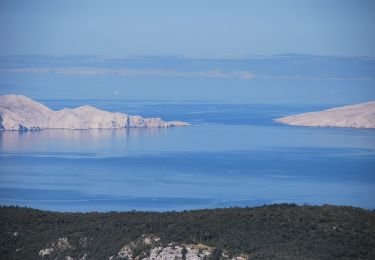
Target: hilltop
{"x":283,"y":231}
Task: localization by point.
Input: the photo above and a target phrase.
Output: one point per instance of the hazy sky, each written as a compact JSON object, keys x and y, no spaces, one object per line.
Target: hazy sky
{"x":200,"y":28}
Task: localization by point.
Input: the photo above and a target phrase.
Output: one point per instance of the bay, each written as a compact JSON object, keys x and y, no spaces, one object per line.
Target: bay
{"x":234,"y":154}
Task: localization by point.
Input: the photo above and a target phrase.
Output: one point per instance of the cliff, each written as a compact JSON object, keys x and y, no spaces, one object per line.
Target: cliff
{"x":21,"y":113}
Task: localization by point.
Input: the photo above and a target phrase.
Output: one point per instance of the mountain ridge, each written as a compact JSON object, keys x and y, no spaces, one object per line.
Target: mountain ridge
{"x":18,"y":112}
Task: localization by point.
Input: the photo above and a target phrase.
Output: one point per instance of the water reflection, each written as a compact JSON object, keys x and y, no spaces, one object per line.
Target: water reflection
{"x":74,"y":140}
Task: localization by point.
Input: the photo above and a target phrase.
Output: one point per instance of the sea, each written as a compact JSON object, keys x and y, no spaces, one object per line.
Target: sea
{"x":232,"y":155}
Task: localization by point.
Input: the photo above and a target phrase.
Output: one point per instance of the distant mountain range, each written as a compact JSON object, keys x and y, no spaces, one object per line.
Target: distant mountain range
{"x":288,"y":66}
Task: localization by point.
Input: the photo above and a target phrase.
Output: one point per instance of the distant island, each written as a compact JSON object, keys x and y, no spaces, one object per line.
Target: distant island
{"x":19,"y":113}
{"x":355,"y":116}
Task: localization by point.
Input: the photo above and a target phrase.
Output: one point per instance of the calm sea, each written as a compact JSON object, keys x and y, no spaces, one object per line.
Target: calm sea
{"x":232,"y":155}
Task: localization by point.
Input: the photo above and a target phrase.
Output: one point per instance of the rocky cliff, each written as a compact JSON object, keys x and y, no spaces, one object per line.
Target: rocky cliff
{"x":21,"y":113}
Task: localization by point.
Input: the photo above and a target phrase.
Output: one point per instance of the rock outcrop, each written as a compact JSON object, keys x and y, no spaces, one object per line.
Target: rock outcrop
{"x":356,"y":116}
{"x":21,"y":113}
{"x":150,"y":248}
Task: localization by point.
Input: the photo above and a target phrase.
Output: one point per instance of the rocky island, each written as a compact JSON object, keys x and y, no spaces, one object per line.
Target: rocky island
{"x":18,"y":112}
{"x":356,"y":116}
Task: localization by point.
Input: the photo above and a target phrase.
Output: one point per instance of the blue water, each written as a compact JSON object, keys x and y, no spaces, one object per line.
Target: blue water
{"x":232,"y":155}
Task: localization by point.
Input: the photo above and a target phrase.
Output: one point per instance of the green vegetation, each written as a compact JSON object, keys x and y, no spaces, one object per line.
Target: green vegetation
{"x":282,"y":231}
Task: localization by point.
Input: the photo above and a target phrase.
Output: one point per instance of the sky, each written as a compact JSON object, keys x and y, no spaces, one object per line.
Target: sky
{"x":194,"y":28}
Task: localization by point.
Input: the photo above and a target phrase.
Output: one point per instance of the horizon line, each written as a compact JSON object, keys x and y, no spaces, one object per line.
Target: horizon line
{"x":178,"y":56}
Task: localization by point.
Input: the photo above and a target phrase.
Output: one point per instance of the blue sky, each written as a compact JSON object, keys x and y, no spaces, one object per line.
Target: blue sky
{"x":195,"y":28}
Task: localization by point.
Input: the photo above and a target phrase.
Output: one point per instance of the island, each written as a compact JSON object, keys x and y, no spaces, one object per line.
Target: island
{"x":355,"y":116}
{"x":21,"y":113}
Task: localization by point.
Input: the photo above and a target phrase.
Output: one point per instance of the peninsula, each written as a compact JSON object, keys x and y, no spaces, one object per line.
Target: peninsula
{"x":355,"y":116}
{"x":19,"y":113}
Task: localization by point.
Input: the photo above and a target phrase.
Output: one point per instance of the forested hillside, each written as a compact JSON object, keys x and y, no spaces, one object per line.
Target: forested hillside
{"x":282,"y":231}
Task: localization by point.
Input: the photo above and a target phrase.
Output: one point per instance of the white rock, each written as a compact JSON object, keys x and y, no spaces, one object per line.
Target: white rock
{"x":46,"y":252}
{"x":356,"y":116}
{"x":21,"y":113}
{"x":84,"y":257}
{"x":240,"y":258}
{"x":197,"y":252}
{"x":61,"y":245}
{"x":165,"y":253}
{"x":126,"y":252}
{"x":172,"y":251}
